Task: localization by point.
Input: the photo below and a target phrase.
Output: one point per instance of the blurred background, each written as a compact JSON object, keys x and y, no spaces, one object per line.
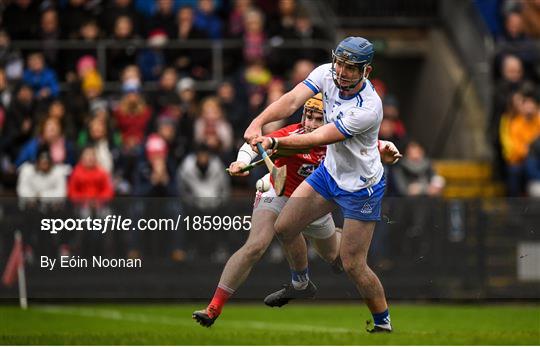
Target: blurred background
{"x":136,"y":107}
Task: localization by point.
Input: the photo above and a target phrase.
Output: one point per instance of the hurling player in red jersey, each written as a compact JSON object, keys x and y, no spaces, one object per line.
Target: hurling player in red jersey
{"x":267,"y":206}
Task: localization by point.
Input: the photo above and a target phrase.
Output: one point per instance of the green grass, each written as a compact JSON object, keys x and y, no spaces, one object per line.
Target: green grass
{"x":255,"y":324}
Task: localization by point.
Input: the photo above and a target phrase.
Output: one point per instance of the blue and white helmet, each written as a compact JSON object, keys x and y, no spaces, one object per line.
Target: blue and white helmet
{"x":355,"y":51}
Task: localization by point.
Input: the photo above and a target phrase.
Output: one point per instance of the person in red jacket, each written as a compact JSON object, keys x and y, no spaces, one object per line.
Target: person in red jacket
{"x":89,"y":183}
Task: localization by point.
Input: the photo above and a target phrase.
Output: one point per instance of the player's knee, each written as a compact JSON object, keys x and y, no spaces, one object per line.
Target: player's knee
{"x":352,"y":263}
{"x":255,"y":250}
{"x":280,"y":229}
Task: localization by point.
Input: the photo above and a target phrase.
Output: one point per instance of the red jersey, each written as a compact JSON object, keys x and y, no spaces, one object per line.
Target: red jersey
{"x":299,"y":166}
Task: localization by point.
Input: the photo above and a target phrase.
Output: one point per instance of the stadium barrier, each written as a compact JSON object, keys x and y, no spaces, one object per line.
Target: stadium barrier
{"x":422,"y":249}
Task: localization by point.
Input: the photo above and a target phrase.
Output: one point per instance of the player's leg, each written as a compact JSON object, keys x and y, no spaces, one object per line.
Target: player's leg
{"x":354,"y":248}
{"x":325,"y":239}
{"x":240,"y":264}
{"x":304,"y":206}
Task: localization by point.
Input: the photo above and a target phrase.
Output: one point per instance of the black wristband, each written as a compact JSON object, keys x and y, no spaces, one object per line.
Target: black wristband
{"x":274,"y":143}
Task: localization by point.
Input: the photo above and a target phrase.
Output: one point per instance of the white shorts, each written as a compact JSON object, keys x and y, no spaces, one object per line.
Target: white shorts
{"x":321,"y":228}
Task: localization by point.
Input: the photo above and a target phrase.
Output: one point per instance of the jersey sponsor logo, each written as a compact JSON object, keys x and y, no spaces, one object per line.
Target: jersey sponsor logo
{"x":306,"y":169}
{"x":268,"y":200}
{"x":366,"y":209}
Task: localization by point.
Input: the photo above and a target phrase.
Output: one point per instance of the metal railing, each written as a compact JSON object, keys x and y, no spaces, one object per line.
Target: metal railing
{"x":218,"y":50}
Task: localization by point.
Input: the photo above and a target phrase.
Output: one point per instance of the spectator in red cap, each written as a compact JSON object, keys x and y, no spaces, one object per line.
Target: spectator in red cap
{"x":154,"y":176}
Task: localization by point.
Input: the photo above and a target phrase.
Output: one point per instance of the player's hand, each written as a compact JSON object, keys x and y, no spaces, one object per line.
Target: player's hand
{"x":265,"y":142}
{"x":253,"y":131}
{"x":389,"y":152}
{"x":235,"y":167}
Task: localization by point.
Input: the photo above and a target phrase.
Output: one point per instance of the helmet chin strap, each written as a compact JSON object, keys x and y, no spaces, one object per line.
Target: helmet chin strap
{"x":360,"y":81}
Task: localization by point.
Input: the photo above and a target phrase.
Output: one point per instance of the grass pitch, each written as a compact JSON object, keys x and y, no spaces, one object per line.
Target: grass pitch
{"x":255,"y":324}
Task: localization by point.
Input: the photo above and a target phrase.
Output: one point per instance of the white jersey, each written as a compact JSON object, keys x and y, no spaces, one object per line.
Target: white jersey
{"x":354,"y":163}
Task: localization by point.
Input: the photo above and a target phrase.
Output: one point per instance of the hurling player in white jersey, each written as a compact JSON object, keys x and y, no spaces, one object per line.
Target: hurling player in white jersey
{"x":351,"y":177}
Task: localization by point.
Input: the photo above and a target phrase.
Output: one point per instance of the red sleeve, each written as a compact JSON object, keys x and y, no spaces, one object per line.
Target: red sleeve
{"x":74,"y":193}
{"x":107,"y":191}
{"x":285,"y":130}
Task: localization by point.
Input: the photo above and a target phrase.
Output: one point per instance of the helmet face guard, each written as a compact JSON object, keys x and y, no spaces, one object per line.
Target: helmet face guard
{"x":355,"y":52}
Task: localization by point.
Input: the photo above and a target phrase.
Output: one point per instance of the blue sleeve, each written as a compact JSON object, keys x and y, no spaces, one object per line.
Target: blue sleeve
{"x":52,"y":83}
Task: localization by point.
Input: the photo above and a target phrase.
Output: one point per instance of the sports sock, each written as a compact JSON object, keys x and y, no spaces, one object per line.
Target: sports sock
{"x":222,"y":294}
{"x":382,"y":319}
{"x":300,"y":279}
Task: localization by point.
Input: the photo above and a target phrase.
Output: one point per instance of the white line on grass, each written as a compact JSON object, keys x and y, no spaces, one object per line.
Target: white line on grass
{"x":168,"y":320}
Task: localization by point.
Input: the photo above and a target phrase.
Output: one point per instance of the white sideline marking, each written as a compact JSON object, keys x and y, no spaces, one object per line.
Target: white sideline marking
{"x":168,"y":320}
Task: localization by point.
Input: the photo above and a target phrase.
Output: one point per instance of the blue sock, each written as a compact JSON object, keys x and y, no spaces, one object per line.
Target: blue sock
{"x":300,"y":279}
{"x":382,"y":318}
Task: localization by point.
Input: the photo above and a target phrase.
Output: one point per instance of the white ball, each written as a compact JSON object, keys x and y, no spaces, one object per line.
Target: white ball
{"x":263,"y":184}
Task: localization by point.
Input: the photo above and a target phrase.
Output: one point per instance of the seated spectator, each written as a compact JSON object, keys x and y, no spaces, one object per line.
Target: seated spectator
{"x":73,"y":16}
{"x":189,"y":61}
{"x":207,"y":20}
{"x":97,"y":136}
{"x":185,"y":88}
{"x":42,"y":179}
{"x":517,"y":131}
{"x":212,"y":128}
{"x":41,"y":78}
{"x":414,"y":174}
{"x":236,"y":17}
{"x":155,"y":175}
{"x":120,"y":57}
{"x":254,"y":37}
{"x":233,"y":105}
{"x":21,"y":18}
{"x":164,"y":18}
{"x":89,"y":182}
{"x":202,"y":180}
{"x":282,"y":25}
{"x":532,"y":169}
{"x":19,"y":122}
{"x":51,"y":134}
{"x":391,"y":111}
{"x":151,"y":60}
{"x":132,"y":115}
{"x":89,"y":33}
{"x":513,"y":28}
{"x":121,"y":8}
{"x":57,"y":110}
{"x":168,"y":128}
{"x":10,"y":58}
{"x":166,"y":92}
{"x":307,"y":33}
{"x":49,"y":35}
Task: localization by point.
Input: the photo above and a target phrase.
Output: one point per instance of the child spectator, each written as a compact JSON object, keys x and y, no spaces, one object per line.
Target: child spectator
{"x":41,"y":78}
{"x":89,"y":182}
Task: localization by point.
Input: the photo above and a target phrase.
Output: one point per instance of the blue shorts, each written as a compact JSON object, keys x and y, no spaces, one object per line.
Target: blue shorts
{"x":364,"y":204}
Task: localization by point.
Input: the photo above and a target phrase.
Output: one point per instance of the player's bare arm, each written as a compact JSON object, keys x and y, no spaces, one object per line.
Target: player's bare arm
{"x":280,"y":109}
{"x":325,"y":135}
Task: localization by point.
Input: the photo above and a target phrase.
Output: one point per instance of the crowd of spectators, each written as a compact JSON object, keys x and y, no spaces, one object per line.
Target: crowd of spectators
{"x":71,"y":130}
{"x":514,"y":124}
{"x":130,"y":120}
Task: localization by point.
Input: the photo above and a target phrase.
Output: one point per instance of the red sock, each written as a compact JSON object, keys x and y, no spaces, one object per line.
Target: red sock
{"x":220,"y":298}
